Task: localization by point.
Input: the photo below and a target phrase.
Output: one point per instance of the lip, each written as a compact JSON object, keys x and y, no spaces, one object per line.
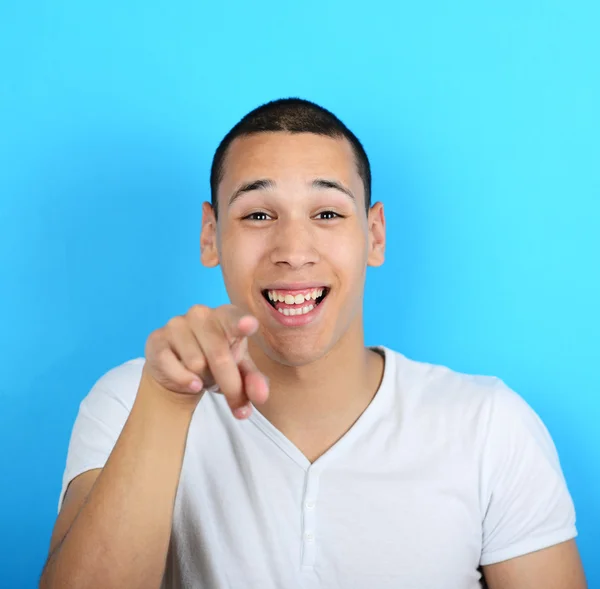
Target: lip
{"x":294,"y":320}
{"x":295,"y":286}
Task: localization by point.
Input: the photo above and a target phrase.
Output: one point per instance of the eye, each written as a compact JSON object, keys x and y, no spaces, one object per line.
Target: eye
{"x":328,"y":215}
{"x":257,"y":216}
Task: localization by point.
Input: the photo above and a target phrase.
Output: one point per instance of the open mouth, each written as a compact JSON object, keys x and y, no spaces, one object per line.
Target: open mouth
{"x":296,"y":302}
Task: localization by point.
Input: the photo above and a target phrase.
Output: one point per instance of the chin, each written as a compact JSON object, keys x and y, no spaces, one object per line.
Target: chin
{"x":293,"y":351}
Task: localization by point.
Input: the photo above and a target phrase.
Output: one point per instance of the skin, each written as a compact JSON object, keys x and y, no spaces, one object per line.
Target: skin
{"x":294,"y":243}
{"x":557,"y":567}
{"x":115,"y":524}
{"x":321,"y":375}
{"x":323,"y":369}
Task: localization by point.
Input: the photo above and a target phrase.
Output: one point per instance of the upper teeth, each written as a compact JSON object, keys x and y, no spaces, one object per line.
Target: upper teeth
{"x":298,"y":299}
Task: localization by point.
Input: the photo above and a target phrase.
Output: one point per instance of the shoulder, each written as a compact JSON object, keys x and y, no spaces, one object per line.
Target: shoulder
{"x":435,"y":385}
{"x":120,"y":383}
{"x":475,"y":403}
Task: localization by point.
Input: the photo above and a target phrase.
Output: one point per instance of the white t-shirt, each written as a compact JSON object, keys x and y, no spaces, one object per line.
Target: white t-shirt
{"x":442,"y":473}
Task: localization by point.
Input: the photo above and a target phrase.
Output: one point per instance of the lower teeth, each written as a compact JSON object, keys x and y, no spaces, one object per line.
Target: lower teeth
{"x":301,"y":311}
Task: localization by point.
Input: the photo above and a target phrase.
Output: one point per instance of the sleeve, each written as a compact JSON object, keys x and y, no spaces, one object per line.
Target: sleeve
{"x":526,"y":500}
{"x":101,"y":417}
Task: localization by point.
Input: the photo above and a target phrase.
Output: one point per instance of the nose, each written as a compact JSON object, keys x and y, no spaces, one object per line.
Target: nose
{"x":294,"y":245}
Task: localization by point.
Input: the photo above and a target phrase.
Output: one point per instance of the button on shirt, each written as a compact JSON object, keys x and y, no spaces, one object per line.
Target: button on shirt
{"x":443,"y":472}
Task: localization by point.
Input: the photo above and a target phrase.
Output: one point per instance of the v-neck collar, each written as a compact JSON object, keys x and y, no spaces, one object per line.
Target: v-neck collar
{"x":367,"y":417}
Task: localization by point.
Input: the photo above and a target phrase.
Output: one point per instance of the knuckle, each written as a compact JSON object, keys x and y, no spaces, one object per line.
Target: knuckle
{"x":198,"y":312}
{"x":221,"y":359}
{"x":233,"y":313}
{"x":174,"y":323}
{"x":196,"y":364}
{"x":155,"y":339}
{"x":152,"y":339}
{"x":162,"y":356}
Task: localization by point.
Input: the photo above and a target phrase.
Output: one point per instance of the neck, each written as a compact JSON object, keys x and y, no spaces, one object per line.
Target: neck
{"x":326,"y":395}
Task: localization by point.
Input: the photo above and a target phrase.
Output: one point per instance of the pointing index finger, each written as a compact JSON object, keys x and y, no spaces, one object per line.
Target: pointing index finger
{"x":237,"y":324}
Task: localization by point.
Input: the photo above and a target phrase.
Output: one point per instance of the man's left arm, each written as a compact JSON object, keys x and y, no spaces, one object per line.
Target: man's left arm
{"x":528,"y":514}
{"x":556,"y":567}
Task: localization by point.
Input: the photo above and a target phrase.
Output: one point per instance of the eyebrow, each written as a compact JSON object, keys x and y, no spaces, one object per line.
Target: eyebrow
{"x":264,"y":184}
{"x":328,"y":184}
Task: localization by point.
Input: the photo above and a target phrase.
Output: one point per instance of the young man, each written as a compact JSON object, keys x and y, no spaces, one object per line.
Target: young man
{"x":261,"y":445}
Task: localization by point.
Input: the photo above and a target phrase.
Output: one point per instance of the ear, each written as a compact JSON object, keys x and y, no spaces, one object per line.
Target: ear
{"x":376,"y":228}
{"x":209,"y":254}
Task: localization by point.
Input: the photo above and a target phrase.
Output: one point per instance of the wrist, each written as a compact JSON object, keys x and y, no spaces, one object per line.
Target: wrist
{"x":152,"y":393}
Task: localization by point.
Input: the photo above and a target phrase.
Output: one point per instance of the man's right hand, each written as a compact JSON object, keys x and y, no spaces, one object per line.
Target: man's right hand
{"x":207,"y":348}
{"x":115,"y":523}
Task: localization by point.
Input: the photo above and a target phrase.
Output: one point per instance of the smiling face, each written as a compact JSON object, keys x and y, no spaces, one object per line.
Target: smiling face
{"x":293,"y":240}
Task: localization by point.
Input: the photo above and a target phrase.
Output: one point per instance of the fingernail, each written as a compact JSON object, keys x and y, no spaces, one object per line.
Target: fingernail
{"x":196,"y":386}
{"x":242,"y":412}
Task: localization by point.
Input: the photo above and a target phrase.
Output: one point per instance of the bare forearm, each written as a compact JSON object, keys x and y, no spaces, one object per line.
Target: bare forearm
{"x":556,"y":567}
{"x":121,"y":535}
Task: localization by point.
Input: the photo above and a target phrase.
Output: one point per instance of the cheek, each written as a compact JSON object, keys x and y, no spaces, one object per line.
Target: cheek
{"x":239,"y":259}
{"x":347,"y":251}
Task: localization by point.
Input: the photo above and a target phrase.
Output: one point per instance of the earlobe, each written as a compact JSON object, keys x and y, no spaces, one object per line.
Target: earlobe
{"x":376,"y":220}
{"x":209,"y":255}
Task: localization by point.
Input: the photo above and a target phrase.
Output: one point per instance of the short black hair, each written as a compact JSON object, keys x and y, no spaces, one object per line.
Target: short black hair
{"x":292,"y":115}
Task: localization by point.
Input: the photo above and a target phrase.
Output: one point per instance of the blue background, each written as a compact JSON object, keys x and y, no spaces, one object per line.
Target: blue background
{"x":482,"y":123}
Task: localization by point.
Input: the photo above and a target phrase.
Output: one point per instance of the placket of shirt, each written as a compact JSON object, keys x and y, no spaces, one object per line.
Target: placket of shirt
{"x":310,"y":504}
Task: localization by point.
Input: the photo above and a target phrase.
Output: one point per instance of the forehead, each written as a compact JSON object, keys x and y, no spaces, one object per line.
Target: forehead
{"x":288,"y":157}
